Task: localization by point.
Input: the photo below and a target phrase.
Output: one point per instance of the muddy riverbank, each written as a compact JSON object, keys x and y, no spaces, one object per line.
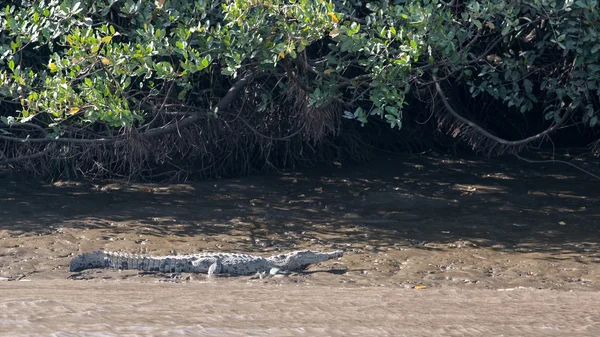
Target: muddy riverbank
{"x":406,"y":224}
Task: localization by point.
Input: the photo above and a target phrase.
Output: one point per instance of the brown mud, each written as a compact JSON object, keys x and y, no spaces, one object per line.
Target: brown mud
{"x":428,"y":224}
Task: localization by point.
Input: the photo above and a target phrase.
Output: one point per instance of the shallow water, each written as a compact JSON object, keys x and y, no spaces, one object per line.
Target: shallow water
{"x":118,"y":308}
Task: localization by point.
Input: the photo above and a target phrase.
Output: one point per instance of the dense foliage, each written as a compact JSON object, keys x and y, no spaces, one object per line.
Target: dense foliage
{"x":92,"y":83}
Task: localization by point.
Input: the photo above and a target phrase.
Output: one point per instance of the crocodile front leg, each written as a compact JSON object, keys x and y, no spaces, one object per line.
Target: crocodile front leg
{"x":215,"y":268}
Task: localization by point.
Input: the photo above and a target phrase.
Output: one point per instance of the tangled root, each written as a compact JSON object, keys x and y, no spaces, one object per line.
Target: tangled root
{"x":240,"y":141}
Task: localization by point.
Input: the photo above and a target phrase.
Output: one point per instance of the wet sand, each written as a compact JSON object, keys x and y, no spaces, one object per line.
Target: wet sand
{"x":62,"y":308}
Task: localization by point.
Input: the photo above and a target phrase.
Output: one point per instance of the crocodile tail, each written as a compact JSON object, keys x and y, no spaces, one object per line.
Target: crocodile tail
{"x":124,"y":261}
{"x":88,"y":261}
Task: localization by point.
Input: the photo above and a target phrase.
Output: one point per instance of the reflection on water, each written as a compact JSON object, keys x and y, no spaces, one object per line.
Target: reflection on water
{"x":120,"y":308}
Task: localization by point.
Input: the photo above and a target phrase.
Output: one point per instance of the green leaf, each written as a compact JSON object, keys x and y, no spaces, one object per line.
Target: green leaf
{"x":14,"y":45}
{"x":76,"y":7}
{"x":527,"y":85}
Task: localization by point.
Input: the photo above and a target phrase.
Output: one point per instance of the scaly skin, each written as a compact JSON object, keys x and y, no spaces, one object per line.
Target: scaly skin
{"x":211,"y":263}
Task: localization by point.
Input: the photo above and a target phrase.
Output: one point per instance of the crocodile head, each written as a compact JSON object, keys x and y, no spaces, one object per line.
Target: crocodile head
{"x":302,"y":258}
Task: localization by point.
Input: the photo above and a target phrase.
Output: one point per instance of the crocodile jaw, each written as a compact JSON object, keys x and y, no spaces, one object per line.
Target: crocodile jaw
{"x":303,"y":258}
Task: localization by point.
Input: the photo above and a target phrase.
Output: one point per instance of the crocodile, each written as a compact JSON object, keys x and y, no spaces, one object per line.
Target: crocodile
{"x":211,"y":263}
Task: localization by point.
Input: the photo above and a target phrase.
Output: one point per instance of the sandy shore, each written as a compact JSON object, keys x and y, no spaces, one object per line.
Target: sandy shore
{"x":70,"y":308}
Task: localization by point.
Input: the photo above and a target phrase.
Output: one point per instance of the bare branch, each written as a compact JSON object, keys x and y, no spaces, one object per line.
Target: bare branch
{"x":489,"y":135}
{"x":222,"y":106}
{"x":27,"y":157}
{"x":558,"y":161}
{"x":293,"y":77}
{"x":285,"y":138}
{"x":59,"y":140}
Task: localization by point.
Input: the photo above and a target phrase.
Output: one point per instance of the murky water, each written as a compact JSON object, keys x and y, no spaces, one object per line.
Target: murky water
{"x":63,"y":308}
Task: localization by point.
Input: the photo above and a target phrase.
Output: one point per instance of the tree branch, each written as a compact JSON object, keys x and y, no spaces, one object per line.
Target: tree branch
{"x":284,"y":138}
{"x":26,"y":157}
{"x":293,"y":77}
{"x":223,"y":104}
{"x":59,"y":140}
{"x":489,"y":135}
